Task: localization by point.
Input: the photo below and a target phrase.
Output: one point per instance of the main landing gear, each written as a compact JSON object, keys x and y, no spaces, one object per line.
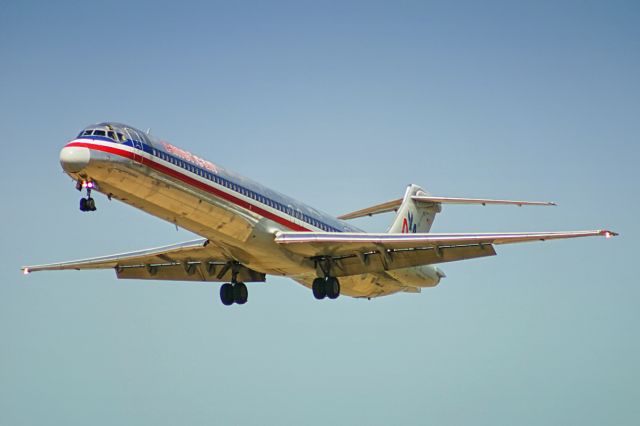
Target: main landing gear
{"x":326,"y":287}
{"x":86,"y":204}
{"x":233,"y":292}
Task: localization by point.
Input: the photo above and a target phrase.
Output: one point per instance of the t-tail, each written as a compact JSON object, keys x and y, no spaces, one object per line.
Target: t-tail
{"x":417,"y":210}
{"x":414,"y":216}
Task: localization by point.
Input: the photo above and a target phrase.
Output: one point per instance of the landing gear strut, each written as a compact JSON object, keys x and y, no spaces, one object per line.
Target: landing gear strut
{"x":86,"y":204}
{"x":234,"y":292}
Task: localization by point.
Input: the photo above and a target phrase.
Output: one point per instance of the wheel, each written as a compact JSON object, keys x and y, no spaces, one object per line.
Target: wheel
{"x":226,"y":294}
{"x":240,"y":293}
{"x":333,"y":287}
{"x":83,"y":204}
{"x":91,"y":204}
{"x":319,"y":289}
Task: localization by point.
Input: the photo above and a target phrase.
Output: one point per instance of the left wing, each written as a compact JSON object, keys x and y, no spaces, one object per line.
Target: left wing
{"x":315,"y":244}
{"x":190,"y":261}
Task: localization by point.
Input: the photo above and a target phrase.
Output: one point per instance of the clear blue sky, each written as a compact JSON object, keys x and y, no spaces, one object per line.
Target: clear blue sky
{"x":341,"y":105}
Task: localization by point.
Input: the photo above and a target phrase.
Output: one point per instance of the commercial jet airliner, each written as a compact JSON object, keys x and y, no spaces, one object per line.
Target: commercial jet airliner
{"x":249,"y":231}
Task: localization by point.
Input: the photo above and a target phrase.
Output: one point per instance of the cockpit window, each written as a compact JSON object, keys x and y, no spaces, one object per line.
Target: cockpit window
{"x":135,"y":136}
{"x":115,"y":133}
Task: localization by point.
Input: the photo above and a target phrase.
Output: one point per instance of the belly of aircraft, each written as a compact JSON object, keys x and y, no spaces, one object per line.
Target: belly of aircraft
{"x":242,"y":234}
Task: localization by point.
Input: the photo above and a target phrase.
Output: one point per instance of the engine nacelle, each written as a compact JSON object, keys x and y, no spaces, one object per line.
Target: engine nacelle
{"x":418,"y":276}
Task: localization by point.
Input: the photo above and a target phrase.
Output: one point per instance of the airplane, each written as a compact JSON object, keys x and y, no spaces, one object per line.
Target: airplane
{"x":249,"y":231}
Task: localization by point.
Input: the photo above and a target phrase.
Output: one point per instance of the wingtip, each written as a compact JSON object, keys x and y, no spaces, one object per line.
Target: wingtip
{"x":25,"y":270}
{"x":608,"y":234}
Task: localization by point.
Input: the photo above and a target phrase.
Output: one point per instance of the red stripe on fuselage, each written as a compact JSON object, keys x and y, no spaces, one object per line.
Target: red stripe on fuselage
{"x":193,"y":182}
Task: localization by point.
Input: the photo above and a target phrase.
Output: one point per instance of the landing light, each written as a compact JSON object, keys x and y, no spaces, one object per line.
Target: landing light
{"x":89,"y":185}
{"x":607,"y":234}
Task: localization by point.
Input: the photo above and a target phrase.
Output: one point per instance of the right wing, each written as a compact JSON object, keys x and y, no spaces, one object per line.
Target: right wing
{"x":313,"y":244}
{"x":190,"y":261}
{"x":357,"y":253}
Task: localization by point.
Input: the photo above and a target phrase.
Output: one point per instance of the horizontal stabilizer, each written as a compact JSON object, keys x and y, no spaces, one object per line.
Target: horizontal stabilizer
{"x":393,"y":205}
{"x":369,"y":211}
{"x":483,"y":201}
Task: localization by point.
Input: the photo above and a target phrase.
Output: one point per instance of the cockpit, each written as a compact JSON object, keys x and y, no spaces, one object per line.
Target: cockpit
{"x":111,"y":134}
{"x":113,"y":131}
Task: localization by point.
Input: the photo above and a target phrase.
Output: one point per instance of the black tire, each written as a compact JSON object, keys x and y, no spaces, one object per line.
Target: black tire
{"x":91,"y":204}
{"x":240,"y":293}
{"x":319,"y":289}
{"x":226,"y":294}
{"x":83,"y":204}
{"x":333,"y":287}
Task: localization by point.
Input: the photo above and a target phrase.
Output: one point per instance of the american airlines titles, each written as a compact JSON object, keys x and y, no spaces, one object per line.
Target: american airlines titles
{"x":187,"y":156}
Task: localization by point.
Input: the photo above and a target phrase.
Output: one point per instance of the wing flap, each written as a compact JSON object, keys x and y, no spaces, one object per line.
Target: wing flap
{"x":191,"y":271}
{"x":375,"y":262}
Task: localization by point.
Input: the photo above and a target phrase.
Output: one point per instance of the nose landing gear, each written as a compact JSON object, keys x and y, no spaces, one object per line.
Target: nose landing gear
{"x":86,"y":204}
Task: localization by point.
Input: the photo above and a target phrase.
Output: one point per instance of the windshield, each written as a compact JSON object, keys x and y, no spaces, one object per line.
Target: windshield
{"x":107,"y":131}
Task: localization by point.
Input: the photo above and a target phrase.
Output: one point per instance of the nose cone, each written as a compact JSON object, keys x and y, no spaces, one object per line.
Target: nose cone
{"x":74,"y":158}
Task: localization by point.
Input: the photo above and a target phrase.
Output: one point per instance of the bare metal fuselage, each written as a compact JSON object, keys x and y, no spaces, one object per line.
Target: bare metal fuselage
{"x":180,"y":188}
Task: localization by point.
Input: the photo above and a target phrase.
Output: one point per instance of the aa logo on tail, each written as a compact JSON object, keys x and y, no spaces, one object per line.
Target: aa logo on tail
{"x":407,"y":224}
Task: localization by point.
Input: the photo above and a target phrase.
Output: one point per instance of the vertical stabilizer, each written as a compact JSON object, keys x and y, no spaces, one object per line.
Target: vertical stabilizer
{"x":414,"y":217}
